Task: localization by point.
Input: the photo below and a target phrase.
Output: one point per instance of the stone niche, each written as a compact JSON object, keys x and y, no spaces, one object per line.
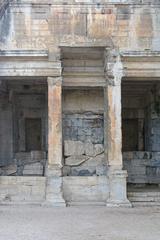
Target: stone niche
{"x":83,"y":132}
{"x":23,"y":124}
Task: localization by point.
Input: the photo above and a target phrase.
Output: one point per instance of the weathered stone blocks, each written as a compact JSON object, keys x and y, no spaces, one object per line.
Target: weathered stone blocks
{"x":8,"y":170}
{"x":20,"y":189}
{"x":26,"y":163}
{"x":76,"y":160}
{"x":84,"y":159}
{"x":142,"y":167}
{"x":73,"y":148}
{"x":83,"y":127}
{"x":93,"y":149}
{"x":33,"y":169}
{"x":86,"y":190}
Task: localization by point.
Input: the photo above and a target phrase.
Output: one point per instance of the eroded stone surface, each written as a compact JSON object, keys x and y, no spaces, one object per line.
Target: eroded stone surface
{"x":91,"y":118}
{"x":33,"y":169}
{"x":142,"y":167}
{"x":9,"y":170}
{"x":73,"y":148}
{"x":75,"y":160}
{"x":92,"y":166}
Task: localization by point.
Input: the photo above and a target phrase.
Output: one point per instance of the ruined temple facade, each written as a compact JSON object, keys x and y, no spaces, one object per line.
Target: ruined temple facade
{"x":80,"y":102}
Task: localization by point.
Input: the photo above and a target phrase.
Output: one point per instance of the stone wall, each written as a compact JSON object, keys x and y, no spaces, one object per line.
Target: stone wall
{"x":6,"y":131}
{"x":18,"y":103}
{"x":22,"y":189}
{"x":84,"y":159}
{"x":48,"y":24}
{"x":153,"y":123}
{"x":142,"y":167}
{"x":141,"y":114}
{"x":86,"y":190}
{"x":83,"y":100}
{"x":155,"y":134}
{"x":83,"y":133}
{"x":25,"y":164}
{"x":28,"y":106}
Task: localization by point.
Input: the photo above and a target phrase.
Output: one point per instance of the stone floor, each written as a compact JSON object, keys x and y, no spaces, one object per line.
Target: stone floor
{"x":78,"y":223}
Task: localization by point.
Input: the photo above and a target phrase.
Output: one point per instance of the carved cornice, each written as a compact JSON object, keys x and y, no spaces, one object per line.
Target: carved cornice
{"x":28,"y":63}
{"x":144,"y":64}
{"x":88,"y":2}
{"x":23,"y":53}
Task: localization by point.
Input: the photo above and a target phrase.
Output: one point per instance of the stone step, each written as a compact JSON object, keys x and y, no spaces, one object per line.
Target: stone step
{"x":144,"y":198}
{"x":145,"y":204}
{"x":144,"y":194}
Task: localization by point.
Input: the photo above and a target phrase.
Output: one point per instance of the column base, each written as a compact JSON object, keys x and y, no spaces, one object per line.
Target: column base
{"x":54,"y":194}
{"x":118,"y":190}
{"x":54,"y":188}
{"x":125,"y":204}
{"x":55,"y":203}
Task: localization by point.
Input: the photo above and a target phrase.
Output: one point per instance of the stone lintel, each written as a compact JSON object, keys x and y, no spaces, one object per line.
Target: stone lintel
{"x":29,"y":68}
{"x":28,"y":63}
{"x":84,"y":82}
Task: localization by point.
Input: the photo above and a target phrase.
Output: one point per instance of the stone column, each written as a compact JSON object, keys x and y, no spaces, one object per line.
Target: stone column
{"x":112,"y":96}
{"x":54,"y":193}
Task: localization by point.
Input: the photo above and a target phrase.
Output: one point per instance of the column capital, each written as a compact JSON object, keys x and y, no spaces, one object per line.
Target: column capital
{"x":54,"y":81}
{"x":113,"y":68}
{"x":114,"y":80}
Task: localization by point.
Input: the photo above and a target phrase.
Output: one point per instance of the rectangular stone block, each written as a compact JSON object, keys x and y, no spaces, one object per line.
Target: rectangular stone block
{"x":22,"y":189}
{"x":85,"y":189}
{"x":33,"y":169}
{"x":73,"y":148}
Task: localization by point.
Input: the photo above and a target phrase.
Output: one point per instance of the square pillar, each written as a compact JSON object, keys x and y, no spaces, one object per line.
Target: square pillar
{"x":113,"y":134}
{"x":54,"y":193}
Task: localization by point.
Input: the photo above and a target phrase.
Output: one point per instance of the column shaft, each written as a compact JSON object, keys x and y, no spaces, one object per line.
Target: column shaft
{"x":54,"y":185}
{"x":114,"y":134}
{"x":116,"y":176}
{"x":55,"y":122}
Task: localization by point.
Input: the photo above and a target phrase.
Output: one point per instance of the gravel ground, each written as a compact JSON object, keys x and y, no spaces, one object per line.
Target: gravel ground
{"x":78,"y":223}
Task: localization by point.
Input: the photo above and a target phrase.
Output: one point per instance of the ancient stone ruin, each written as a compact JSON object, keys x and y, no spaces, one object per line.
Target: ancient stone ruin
{"x":80,"y":102}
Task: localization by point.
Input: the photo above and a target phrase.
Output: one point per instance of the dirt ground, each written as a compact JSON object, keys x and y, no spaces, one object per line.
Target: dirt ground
{"x":78,"y":223}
